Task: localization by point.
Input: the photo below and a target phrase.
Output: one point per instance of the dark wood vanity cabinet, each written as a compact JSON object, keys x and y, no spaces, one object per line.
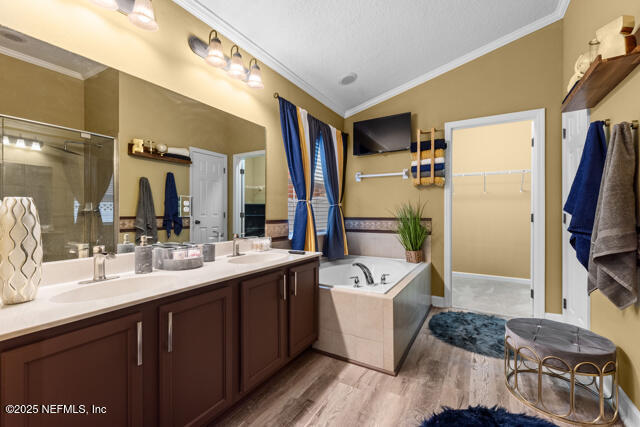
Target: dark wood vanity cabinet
{"x":99,"y":366}
{"x":303,"y":307}
{"x":263,"y":327}
{"x":195,"y":358}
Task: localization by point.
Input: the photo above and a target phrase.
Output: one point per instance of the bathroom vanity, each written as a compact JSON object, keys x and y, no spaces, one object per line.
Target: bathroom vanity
{"x":157,"y":349}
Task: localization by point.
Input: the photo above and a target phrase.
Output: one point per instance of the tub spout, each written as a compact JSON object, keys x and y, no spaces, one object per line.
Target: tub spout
{"x":367,"y":273}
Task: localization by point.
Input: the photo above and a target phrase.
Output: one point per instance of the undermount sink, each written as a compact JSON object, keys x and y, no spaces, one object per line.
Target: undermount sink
{"x":113,"y":287}
{"x":257,"y":258}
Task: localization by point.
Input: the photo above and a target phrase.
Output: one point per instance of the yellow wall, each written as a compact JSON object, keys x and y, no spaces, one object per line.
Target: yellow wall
{"x":164,"y":58}
{"x":40,"y":94}
{"x":581,"y":21}
{"x":492,"y":230}
{"x":521,"y":76}
{"x":101,"y":103}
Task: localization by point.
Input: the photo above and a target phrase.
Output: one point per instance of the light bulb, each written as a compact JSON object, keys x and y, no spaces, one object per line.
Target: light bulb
{"x":35,"y":146}
{"x":107,"y":4}
{"x":143,"y":16}
{"x":236,"y":69}
{"x":215,"y":56}
{"x":20,"y":143}
{"x":255,"y":77}
{"x":5,"y":140}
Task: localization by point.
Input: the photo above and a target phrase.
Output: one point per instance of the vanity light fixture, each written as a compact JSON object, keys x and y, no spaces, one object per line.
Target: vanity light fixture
{"x":20,"y":143}
{"x":35,"y":146}
{"x":236,"y":69}
{"x":5,"y":140}
{"x":255,"y":75}
{"x":143,"y":15}
{"x":215,"y":56}
{"x":107,"y":4}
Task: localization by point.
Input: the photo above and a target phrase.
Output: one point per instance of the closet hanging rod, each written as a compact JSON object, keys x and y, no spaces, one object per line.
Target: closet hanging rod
{"x":504,"y":172}
{"x":634,"y":123}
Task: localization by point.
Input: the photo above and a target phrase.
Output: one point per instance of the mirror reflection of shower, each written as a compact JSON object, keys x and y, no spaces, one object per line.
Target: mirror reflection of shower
{"x":249,"y":193}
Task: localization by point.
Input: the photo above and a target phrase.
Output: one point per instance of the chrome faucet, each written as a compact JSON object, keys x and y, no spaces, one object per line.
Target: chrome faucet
{"x":236,"y":245}
{"x":100,"y":256}
{"x":367,"y":273}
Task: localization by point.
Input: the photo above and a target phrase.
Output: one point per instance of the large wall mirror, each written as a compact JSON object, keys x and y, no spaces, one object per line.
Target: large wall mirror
{"x":67,"y":123}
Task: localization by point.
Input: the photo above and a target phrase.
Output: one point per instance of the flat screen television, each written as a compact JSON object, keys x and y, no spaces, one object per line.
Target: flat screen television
{"x":381,"y":135}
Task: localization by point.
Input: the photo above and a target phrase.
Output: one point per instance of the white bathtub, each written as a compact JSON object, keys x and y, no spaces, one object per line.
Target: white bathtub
{"x":340,"y":273}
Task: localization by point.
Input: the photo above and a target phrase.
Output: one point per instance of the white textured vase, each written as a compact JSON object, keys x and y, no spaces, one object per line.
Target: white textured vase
{"x":20,"y":250}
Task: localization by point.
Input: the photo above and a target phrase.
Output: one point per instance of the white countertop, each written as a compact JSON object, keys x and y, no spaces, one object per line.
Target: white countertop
{"x":60,"y":303}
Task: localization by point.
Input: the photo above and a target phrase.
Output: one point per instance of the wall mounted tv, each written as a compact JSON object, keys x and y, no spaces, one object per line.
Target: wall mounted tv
{"x":381,"y":135}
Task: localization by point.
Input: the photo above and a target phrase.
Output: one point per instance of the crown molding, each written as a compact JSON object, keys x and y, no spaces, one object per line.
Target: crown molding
{"x":207,"y":16}
{"x":48,"y":65}
{"x":483,"y":50}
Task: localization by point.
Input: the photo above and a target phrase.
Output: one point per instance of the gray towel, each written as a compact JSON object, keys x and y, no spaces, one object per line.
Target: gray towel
{"x":614,"y":242}
{"x":146,"y":214}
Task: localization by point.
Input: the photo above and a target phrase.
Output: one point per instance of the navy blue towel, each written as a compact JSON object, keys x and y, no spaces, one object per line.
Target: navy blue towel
{"x":172,"y":219}
{"x":427,"y":168}
{"x":583,"y":197}
{"x":426,"y":145}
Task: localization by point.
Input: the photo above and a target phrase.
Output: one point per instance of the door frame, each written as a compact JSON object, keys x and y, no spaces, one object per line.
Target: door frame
{"x":236,"y":183}
{"x":537,"y":200}
{"x":225,"y":185}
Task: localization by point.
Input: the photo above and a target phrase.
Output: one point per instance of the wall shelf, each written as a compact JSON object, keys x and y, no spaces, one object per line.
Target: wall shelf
{"x":153,"y":156}
{"x":602,"y":76}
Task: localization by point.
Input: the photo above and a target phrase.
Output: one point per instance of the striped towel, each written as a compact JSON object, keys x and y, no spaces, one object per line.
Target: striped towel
{"x":427,"y":154}
{"x":438,"y":160}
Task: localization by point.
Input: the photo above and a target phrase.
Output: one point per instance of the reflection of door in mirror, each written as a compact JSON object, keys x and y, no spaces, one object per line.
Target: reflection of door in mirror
{"x":70,"y":176}
{"x":208,"y":183}
{"x":249,"y":193}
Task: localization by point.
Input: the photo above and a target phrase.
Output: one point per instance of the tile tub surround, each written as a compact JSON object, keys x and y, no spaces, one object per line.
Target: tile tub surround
{"x":374,"y":330}
{"x":46,"y":310}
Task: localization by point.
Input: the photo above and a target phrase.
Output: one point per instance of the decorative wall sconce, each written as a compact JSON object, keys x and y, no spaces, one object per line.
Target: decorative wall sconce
{"x":232,"y":64}
{"x":140,"y":12}
{"x":21,"y":143}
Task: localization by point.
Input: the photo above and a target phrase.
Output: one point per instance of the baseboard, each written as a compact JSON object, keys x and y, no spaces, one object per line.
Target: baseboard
{"x":518,"y":280}
{"x":438,"y":302}
{"x":554,"y":316}
{"x":628,"y":412}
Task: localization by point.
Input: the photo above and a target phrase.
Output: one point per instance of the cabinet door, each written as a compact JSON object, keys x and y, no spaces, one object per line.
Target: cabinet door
{"x":97,"y":366}
{"x":195,"y":358}
{"x":263,"y":318}
{"x":303,"y":307}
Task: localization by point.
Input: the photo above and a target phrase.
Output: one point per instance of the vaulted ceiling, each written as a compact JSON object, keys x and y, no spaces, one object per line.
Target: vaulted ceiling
{"x":390,"y":45}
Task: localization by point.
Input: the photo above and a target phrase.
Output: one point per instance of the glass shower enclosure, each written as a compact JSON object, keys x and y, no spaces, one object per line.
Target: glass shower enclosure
{"x":71,"y":176}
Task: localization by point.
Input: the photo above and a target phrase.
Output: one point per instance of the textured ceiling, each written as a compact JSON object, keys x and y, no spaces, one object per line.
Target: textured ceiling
{"x":391,"y":45}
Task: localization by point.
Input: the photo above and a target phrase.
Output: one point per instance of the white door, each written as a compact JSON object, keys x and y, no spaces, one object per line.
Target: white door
{"x":208,"y":183}
{"x":575,"y":298}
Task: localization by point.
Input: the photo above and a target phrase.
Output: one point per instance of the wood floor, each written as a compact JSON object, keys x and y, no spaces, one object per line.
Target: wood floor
{"x":317,"y":390}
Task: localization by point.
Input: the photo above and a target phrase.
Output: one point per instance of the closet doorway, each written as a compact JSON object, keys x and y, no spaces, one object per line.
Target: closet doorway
{"x":494,"y":236}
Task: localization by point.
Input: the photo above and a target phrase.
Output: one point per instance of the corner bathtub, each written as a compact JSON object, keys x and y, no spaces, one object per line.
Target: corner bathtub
{"x":373,"y":326}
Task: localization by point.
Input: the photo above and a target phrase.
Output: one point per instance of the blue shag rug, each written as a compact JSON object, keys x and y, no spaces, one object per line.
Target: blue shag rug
{"x":478,"y":333}
{"x":481,"y":416}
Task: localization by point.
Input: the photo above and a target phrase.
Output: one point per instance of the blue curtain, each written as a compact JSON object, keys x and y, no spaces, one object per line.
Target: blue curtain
{"x":300,"y":155}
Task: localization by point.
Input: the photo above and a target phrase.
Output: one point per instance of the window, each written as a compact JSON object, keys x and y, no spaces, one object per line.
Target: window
{"x":319,"y":201}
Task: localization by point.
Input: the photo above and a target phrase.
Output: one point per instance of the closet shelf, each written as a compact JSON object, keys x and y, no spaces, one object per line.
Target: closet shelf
{"x":601,"y":78}
{"x":150,"y":156}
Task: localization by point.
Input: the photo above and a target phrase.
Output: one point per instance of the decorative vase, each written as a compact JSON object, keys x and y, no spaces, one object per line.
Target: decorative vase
{"x":20,"y":250}
{"x":414,"y":257}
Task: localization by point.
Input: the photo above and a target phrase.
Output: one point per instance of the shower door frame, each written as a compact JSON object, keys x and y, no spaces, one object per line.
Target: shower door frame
{"x":116,"y":167}
{"x":538,"y":252}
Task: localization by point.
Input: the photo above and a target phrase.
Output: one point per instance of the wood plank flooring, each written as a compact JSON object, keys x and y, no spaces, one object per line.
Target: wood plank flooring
{"x":317,"y":390}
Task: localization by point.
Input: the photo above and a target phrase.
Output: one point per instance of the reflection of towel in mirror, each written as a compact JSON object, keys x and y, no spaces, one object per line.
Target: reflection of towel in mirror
{"x":146,"y":214}
{"x":583,"y":197}
{"x":614,"y":243}
{"x":171,"y":218}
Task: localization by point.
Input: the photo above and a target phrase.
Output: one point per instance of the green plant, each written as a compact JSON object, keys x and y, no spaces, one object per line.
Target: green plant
{"x":411,"y":231}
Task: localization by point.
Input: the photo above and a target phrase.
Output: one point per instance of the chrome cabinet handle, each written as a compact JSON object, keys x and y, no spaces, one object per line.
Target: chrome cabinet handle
{"x":170,"y":332}
{"x":284,"y":287}
{"x":139,"y":327}
{"x":295,"y":283}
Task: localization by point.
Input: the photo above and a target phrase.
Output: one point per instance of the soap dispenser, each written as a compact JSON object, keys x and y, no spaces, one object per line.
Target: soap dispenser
{"x":126,"y":246}
{"x":143,"y":257}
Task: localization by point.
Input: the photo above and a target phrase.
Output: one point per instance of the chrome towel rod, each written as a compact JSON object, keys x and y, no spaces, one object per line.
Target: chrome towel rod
{"x":504,"y":172}
{"x":404,"y":174}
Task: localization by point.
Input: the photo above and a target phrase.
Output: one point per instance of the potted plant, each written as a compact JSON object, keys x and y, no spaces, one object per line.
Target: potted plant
{"x":411,"y":232}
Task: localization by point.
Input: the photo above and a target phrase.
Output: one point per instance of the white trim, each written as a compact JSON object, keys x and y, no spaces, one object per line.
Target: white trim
{"x":225,"y":185}
{"x":554,"y":316}
{"x":482,"y":50}
{"x":438,"y":301}
{"x":209,"y":17}
{"x":48,"y":65}
{"x":518,"y":280}
{"x":237,"y":199}
{"x":628,"y":412}
{"x":537,"y":199}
